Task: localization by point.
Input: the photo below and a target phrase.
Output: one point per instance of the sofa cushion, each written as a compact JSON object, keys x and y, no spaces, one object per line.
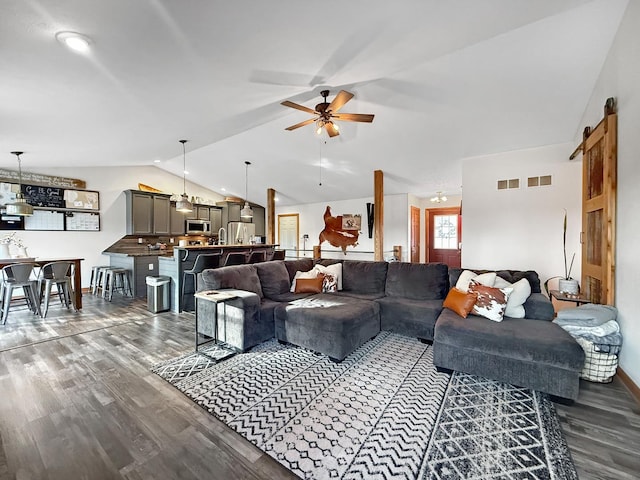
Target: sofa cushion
{"x":360,"y":276}
{"x":417,"y":281}
{"x":274,"y":278}
{"x":413,"y":318}
{"x":460,"y":302}
{"x":239,"y":277}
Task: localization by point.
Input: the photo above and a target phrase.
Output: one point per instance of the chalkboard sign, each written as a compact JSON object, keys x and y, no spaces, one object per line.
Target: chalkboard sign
{"x":39,"y":196}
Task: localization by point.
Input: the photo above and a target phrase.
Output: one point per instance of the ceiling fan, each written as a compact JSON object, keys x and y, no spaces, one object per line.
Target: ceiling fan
{"x":327,"y":112}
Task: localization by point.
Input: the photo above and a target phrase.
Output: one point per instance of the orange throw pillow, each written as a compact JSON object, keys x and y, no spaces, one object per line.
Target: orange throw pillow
{"x":309,"y":285}
{"x":460,"y":302}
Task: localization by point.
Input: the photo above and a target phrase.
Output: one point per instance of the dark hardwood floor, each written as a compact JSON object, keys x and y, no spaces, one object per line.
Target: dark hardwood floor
{"x":78,"y":401}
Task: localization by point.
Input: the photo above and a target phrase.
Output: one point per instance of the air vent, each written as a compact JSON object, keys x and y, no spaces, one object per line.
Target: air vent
{"x":541,"y":181}
{"x":506,"y":184}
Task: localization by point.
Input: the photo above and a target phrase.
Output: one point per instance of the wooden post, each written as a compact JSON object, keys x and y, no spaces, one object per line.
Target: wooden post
{"x":271,"y":216}
{"x":378,"y":215}
{"x":317,"y":254}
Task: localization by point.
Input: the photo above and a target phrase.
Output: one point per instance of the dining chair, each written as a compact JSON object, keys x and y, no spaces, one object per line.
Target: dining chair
{"x":58,"y":274}
{"x":19,"y":275}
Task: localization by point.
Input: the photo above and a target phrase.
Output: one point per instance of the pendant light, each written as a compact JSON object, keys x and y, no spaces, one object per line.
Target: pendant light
{"x":246,"y":211}
{"x":20,"y":206}
{"x":184,"y":205}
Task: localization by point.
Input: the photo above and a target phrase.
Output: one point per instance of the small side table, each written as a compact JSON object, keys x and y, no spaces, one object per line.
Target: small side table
{"x":217,"y":298}
{"x":568,"y":297}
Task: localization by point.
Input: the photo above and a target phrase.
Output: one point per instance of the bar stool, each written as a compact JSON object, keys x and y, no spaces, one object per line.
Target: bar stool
{"x":203,"y":262}
{"x":98,"y":286}
{"x":278,"y":254}
{"x":256,"y":257}
{"x":18,"y":275}
{"x":235,"y":258}
{"x":116,"y":279}
{"x":58,"y":274}
{"x":95,"y":277}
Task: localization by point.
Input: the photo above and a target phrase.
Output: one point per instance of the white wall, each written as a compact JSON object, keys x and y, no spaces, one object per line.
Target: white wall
{"x":111,"y":183}
{"x":521,"y":229}
{"x":312,"y":223}
{"x":620,"y":78}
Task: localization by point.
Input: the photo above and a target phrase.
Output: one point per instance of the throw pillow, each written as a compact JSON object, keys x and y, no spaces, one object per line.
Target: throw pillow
{"x":309,"y":285}
{"x":460,"y":302}
{"x":466,"y":276}
{"x":310,"y":274}
{"x":521,"y":291}
{"x":491,"y":302}
{"x":334,"y":270}
{"x":330,"y":283}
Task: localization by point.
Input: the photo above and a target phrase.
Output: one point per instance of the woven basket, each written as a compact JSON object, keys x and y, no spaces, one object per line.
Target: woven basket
{"x":598,"y":366}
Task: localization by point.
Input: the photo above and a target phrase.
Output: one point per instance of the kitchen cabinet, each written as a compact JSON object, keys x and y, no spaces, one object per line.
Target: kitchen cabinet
{"x":147,"y":213}
{"x":202,"y":213}
{"x":177,"y":219}
{"x":215,"y":215}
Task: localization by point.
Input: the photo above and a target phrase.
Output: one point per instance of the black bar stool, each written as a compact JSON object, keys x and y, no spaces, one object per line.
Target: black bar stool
{"x":256,"y":257}
{"x":235,"y":258}
{"x":203,"y":262}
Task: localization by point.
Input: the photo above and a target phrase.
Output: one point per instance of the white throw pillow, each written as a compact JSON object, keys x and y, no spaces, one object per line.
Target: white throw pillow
{"x":486,"y":279}
{"x":334,"y":270}
{"x":521,"y":291}
{"x":310,"y":274}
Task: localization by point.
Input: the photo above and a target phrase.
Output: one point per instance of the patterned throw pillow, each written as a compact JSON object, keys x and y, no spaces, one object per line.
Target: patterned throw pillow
{"x":330,"y":283}
{"x":491,"y":302}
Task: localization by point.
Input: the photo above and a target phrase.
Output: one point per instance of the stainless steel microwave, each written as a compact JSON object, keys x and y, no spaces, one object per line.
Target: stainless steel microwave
{"x":198,"y":227}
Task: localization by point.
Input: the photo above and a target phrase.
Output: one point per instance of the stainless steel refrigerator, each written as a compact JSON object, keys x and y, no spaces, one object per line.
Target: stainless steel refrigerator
{"x":239,"y":233}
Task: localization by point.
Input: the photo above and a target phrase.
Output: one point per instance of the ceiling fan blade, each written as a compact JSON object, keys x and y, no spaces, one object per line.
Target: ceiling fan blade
{"x":354,"y":117}
{"x":337,"y":103}
{"x":301,"y":124}
{"x":332,"y":130}
{"x":287,"y":103}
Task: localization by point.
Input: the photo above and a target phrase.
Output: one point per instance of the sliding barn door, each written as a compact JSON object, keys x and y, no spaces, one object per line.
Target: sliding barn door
{"x":598,"y":209}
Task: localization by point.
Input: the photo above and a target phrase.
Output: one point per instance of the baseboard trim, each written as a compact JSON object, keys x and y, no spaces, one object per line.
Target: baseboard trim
{"x":631,"y":386}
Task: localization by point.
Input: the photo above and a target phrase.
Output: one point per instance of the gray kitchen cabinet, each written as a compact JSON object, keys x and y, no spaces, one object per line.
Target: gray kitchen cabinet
{"x":215,"y":215}
{"x":161,"y":215}
{"x":177,"y":224}
{"x":202,"y":212}
{"x":147,"y":213}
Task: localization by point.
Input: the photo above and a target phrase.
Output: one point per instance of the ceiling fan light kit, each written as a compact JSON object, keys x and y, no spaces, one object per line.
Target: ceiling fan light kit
{"x":327,"y":112}
{"x":20,"y":206}
{"x":184,"y":205}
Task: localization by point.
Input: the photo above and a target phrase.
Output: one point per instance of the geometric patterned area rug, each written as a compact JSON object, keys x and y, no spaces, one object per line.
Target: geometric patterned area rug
{"x":383,"y":412}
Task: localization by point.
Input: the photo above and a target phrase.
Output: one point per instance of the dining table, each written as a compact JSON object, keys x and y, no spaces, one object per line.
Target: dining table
{"x":76,"y":274}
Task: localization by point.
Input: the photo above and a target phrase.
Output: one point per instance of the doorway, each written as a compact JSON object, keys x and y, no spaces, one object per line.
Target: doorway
{"x":288,"y":237}
{"x":444,"y":235}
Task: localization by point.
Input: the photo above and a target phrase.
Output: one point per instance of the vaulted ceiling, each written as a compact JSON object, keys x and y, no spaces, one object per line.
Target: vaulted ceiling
{"x":445,"y":79}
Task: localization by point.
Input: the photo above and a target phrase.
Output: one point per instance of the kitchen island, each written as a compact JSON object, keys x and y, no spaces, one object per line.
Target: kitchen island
{"x":183,"y":259}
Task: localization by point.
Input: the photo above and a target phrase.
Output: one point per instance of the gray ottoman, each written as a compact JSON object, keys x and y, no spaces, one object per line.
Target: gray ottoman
{"x":535,"y":354}
{"x":328,"y":324}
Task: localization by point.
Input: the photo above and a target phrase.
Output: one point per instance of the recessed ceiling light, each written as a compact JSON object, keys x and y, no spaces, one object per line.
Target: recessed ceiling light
{"x":223,"y":189}
{"x":157,"y":160}
{"x":186,"y":172}
{"x":276,"y":199}
{"x":73,"y":40}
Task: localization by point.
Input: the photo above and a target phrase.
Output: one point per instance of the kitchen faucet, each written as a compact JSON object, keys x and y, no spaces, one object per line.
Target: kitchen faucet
{"x":222,"y":230}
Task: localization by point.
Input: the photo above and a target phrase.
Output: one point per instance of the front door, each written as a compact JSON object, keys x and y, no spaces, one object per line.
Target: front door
{"x":444,"y":234}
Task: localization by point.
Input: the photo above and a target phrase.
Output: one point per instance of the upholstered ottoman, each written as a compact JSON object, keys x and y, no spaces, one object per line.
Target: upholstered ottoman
{"x":536,"y":354}
{"x":328,"y":324}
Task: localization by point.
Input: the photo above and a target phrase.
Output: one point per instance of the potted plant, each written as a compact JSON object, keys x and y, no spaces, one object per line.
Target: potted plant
{"x":566,"y":284}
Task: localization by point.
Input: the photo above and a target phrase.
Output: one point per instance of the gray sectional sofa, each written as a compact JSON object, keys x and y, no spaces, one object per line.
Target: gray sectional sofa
{"x":401,"y":297}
